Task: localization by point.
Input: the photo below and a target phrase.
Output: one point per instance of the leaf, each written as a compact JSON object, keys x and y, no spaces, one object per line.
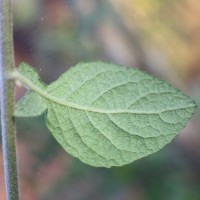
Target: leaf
{"x":107,"y":115}
{"x":30,"y":74}
{"x":31,"y":105}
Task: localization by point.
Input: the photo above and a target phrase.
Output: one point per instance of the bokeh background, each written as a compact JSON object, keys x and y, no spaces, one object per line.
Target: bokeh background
{"x":161,"y":37}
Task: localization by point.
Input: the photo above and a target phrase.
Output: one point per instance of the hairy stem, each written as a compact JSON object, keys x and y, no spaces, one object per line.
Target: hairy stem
{"x":7,"y":100}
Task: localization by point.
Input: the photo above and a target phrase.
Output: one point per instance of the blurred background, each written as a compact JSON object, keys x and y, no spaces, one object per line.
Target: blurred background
{"x":161,"y":37}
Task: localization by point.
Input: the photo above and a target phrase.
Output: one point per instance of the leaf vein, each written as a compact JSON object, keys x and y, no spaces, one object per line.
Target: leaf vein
{"x":82,"y":139}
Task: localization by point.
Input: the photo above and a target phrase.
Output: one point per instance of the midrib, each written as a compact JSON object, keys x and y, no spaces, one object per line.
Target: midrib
{"x":49,"y":97}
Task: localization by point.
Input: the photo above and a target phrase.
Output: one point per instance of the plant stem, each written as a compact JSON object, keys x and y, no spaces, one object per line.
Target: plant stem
{"x":7,"y":100}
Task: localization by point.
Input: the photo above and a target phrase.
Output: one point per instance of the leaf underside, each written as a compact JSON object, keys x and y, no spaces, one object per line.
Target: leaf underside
{"x":106,"y":115}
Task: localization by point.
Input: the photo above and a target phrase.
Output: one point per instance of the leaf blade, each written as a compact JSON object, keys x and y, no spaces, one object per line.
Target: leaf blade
{"x":30,"y":105}
{"x":107,"y":115}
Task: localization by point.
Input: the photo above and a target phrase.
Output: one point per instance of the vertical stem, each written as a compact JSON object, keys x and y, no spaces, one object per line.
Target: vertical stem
{"x":7,"y":100}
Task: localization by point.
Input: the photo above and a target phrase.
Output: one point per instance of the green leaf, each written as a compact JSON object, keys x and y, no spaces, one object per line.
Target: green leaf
{"x":107,"y":115}
{"x":30,"y":74}
{"x":31,"y":105}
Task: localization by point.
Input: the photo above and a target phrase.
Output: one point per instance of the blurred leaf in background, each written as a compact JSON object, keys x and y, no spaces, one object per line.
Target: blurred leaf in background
{"x":169,"y":29}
